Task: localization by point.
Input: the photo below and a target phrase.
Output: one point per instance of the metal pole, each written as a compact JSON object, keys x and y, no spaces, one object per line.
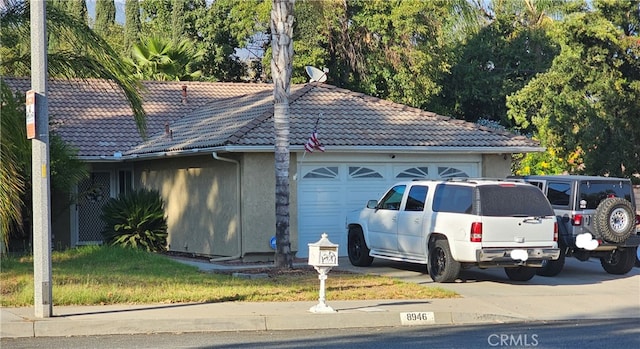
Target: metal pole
{"x":40,"y":164}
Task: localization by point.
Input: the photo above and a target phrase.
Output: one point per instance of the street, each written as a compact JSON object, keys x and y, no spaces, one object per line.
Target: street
{"x":585,"y":334}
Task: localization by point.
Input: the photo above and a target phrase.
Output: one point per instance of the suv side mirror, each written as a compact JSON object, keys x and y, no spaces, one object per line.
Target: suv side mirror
{"x":372,"y":204}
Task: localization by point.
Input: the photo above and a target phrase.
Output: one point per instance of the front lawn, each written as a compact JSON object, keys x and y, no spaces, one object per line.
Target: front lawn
{"x":95,"y":275}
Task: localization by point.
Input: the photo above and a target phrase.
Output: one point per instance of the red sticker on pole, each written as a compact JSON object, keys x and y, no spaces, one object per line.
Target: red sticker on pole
{"x":31,"y":114}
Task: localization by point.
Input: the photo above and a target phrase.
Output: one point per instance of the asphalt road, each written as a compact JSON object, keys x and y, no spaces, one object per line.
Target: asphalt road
{"x":584,"y":334}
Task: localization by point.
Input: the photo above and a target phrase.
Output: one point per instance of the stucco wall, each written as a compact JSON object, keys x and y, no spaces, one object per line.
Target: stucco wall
{"x":496,"y":165}
{"x":258,"y":204}
{"x":200,"y":202}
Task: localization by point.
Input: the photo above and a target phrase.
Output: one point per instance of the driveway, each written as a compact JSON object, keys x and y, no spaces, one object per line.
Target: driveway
{"x":582,"y":289}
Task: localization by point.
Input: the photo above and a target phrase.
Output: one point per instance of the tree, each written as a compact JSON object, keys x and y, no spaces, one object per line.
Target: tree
{"x":160,"y":59}
{"x":14,"y":154}
{"x":500,"y":59}
{"x":281,"y":67}
{"x":105,"y":17}
{"x":88,"y":56}
{"x":227,"y":25}
{"x":132,"y":25}
{"x":15,"y":173}
{"x":78,"y":8}
{"x":177,"y":20}
{"x":586,"y":106}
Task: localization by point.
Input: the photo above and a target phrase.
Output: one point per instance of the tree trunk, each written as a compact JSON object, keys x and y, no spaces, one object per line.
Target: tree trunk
{"x":281,"y":67}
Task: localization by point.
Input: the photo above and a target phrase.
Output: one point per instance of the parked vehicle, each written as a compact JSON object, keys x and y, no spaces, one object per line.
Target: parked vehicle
{"x":597,"y":219}
{"x":457,"y":223}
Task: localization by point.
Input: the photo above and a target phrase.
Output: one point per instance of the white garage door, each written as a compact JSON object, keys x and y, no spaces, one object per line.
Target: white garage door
{"x":328,"y":191}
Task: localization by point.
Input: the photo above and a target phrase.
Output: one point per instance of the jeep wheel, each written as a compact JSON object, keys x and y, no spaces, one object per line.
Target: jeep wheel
{"x":614,"y":219}
{"x":441,"y":265}
{"x":520,"y":273}
{"x":619,"y":262}
{"x":357,"y":248}
{"x":552,"y":268}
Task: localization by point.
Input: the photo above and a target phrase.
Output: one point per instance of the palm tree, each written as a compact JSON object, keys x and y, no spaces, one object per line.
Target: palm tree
{"x":161,"y":59}
{"x":86,"y":55}
{"x":281,"y":69}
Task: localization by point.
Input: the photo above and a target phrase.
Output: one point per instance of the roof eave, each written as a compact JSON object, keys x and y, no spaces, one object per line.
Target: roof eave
{"x":298,"y":148}
{"x":395,"y":149}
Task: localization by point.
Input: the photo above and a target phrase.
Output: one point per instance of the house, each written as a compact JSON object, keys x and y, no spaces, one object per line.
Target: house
{"x":210,"y":153}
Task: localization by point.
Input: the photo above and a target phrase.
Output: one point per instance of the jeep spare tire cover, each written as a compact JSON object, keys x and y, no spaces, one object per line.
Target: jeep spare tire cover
{"x":614,"y":219}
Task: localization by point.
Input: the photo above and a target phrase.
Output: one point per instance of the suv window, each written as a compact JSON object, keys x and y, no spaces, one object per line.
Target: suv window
{"x":507,"y":200}
{"x":393,"y":198}
{"x":453,"y":198}
{"x":591,"y":193}
{"x":416,"y":198}
{"x":558,"y":193}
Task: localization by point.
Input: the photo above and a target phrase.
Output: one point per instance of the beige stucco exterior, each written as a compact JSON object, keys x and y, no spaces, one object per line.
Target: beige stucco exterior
{"x":258,"y":204}
{"x":496,"y":165}
{"x":200,"y":202}
{"x":205,"y":213}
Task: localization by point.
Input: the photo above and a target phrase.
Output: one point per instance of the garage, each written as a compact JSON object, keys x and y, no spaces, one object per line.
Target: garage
{"x":327,"y":191}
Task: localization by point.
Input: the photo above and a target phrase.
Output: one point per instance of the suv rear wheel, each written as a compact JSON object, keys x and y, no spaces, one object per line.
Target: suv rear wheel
{"x":520,"y":273}
{"x":552,"y":268}
{"x":619,"y":262}
{"x":441,"y":265}
{"x":614,"y":219}
{"x":357,"y":248}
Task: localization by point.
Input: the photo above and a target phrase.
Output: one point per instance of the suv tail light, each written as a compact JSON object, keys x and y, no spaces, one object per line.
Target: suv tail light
{"x":555,"y":231}
{"x":476,"y":232}
{"x":637,"y":219}
{"x":576,"y":220}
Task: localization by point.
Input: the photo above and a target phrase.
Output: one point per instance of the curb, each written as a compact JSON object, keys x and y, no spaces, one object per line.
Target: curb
{"x":65,"y":327}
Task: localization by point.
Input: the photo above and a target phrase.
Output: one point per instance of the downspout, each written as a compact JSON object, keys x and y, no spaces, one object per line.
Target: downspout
{"x":238,"y":209}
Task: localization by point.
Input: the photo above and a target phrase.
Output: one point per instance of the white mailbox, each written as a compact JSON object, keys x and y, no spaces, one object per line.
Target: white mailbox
{"x":323,"y":253}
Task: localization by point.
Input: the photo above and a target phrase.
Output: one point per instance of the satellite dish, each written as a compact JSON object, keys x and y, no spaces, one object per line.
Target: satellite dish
{"x":316,"y":74}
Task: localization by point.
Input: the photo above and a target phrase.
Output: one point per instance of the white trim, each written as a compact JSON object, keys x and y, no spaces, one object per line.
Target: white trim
{"x":329,"y":149}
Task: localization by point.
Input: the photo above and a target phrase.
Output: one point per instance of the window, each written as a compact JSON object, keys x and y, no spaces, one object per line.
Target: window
{"x":363,"y":172}
{"x":414,"y":172}
{"x":453,"y":198}
{"x":125,"y":181}
{"x":330,"y":172}
{"x":416,"y":198}
{"x":594,"y":192}
{"x":514,"y":201}
{"x":393,"y":198}
{"x":558,"y":194}
{"x":451,"y":172}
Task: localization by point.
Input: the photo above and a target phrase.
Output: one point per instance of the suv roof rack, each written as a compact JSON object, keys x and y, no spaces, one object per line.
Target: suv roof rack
{"x":469,"y":179}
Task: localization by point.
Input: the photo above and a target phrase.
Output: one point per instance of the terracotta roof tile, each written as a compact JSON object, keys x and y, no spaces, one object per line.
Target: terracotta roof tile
{"x":94,"y":116}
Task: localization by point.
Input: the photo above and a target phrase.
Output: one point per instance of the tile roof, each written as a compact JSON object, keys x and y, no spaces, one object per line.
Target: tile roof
{"x":94,"y":116}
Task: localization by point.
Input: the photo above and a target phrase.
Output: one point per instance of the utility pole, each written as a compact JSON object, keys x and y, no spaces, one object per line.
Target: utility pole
{"x":40,"y":163}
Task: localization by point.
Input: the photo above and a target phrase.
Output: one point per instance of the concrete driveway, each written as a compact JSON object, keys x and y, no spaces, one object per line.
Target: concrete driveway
{"x":582,"y":289}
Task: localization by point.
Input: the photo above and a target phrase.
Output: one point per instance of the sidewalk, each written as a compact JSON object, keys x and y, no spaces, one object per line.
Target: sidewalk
{"x":250,"y":316}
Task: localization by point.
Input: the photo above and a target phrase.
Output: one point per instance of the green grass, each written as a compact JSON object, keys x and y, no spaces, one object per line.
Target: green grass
{"x":96,"y":275}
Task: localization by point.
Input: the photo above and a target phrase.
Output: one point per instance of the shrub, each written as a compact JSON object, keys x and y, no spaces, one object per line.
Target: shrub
{"x":136,"y":219}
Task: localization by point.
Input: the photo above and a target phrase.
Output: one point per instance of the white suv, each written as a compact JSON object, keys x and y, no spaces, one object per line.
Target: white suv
{"x":450,"y":224}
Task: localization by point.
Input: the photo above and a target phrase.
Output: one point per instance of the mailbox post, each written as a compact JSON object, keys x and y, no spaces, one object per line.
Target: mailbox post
{"x":323,"y":255}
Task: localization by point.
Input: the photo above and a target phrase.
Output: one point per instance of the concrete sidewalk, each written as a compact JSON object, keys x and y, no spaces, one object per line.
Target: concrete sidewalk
{"x":485,"y":308}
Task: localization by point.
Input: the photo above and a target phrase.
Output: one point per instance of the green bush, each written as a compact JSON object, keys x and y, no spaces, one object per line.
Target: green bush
{"x":136,"y":219}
